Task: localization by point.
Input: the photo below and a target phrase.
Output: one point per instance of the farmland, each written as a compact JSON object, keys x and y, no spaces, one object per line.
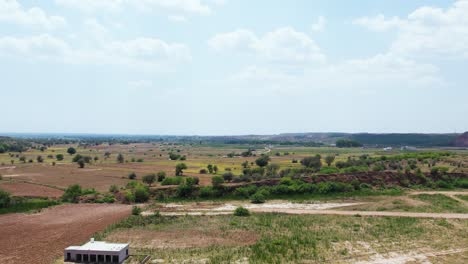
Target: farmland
{"x":363,"y":204}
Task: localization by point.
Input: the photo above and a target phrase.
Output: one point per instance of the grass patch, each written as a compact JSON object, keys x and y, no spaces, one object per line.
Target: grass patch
{"x":28,"y":205}
{"x":300,"y":238}
{"x":439,"y":203}
{"x":463,"y":197}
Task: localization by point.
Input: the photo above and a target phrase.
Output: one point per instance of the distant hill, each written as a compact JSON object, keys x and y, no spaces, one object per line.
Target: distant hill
{"x":462,"y":140}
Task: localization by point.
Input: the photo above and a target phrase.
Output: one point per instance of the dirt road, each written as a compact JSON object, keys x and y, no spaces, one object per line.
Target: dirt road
{"x":40,"y":238}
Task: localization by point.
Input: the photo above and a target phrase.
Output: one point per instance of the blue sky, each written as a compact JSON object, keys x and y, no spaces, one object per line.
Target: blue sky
{"x":213,"y":67}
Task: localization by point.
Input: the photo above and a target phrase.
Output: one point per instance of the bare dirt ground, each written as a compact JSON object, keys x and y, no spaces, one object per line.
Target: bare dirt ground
{"x":291,"y":208}
{"x":30,"y":190}
{"x":41,"y":237}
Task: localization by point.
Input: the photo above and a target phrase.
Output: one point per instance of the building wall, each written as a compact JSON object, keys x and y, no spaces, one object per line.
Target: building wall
{"x":121,"y":254}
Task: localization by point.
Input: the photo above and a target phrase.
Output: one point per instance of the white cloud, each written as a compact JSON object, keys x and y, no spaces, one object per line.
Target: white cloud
{"x":382,"y":71}
{"x":12,"y":12}
{"x":319,"y":26}
{"x":144,"y":53}
{"x":181,"y":6}
{"x":281,"y":45}
{"x":177,"y":18}
{"x":379,"y":23}
{"x":428,"y":31}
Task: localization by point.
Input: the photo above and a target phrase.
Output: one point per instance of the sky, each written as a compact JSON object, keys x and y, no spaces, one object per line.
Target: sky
{"x":231,"y":67}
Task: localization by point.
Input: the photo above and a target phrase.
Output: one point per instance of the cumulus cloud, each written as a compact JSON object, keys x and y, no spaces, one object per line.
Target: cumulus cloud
{"x":12,"y":12}
{"x":428,"y":31}
{"x":182,"y":6}
{"x":281,"y":45}
{"x":144,"y":53}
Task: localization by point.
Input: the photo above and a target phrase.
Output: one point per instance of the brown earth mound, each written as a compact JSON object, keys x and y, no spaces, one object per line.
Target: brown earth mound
{"x":40,"y":238}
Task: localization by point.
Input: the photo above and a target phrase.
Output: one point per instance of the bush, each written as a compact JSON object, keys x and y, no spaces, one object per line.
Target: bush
{"x":217,"y":181}
{"x":141,"y":194}
{"x":329,"y":170}
{"x":241,"y":211}
{"x":59,"y":157}
{"x":257,"y":198}
{"x":172,"y":181}
{"x":4,"y":199}
{"x":136,"y":210}
{"x":186,"y":189}
{"x":132,"y":176}
{"x":461,"y":183}
{"x":129,"y":196}
{"x":262,"y":161}
{"x":203,"y":171}
{"x":113,"y":188}
{"x":227,"y":176}
{"x":72,"y":193}
{"x":207,"y":191}
{"x":149,"y":179}
{"x":246,"y":191}
{"x":161,"y":176}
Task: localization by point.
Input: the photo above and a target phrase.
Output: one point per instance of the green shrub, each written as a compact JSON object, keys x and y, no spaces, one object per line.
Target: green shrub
{"x":113,"y":188}
{"x":227,"y":176}
{"x":132,"y":176}
{"x":207,"y":191}
{"x":5,"y":199}
{"x":461,"y":183}
{"x":172,"y":181}
{"x":217,"y":181}
{"x":149,"y":179}
{"x":246,"y":191}
{"x":129,"y":196}
{"x":329,"y":170}
{"x":258,"y":197}
{"x":141,"y":194}
{"x":72,"y":193}
{"x":161,"y":176}
{"x":241,"y":211}
{"x":136,"y":210}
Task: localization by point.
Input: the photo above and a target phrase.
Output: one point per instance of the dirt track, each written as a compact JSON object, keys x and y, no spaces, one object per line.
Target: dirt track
{"x":366,"y":213}
{"x":40,"y":238}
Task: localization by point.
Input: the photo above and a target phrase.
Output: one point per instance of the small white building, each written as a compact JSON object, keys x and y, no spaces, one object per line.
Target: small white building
{"x":97,"y":252}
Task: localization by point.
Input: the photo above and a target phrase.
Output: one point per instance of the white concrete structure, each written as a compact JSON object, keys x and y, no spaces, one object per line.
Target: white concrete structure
{"x":97,"y":252}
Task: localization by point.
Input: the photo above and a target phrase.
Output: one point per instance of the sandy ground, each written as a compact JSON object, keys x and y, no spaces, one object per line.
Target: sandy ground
{"x":291,"y":208}
{"x":30,"y":190}
{"x":41,"y":237}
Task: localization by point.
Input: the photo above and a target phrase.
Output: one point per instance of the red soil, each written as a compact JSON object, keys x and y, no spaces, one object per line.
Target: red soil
{"x":41,"y":238}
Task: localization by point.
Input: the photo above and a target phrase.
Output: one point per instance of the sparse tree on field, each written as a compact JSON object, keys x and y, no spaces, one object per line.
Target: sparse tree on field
{"x":59,"y":157}
{"x":71,"y":150}
{"x":161,"y":176}
{"x":40,"y":159}
{"x":132,"y":176}
{"x":227,"y":176}
{"x":329,"y":159}
{"x":215,"y":169}
{"x":312,"y":162}
{"x":107,"y":154}
{"x":81,"y":163}
{"x":180,"y":169}
{"x":263,"y":160}
{"x":210,"y":168}
{"x":120,"y":158}
{"x":149,"y":179}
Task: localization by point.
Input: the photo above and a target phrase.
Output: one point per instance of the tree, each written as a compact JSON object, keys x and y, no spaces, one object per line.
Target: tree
{"x":72,"y":193}
{"x":217,"y":181}
{"x":81,"y":163}
{"x":59,"y":157}
{"x":263,"y":160}
{"x":107,"y":154}
{"x":149,"y":179}
{"x":245,"y":164}
{"x":329,"y":159}
{"x":312,"y":162}
{"x":180,"y":169}
{"x":215,"y":169}
{"x":271,"y":170}
{"x":40,"y":159}
{"x":141,"y":194}
{"x":227,"y":176}
{"x":161,"y":176}
{"x":120,"y":158}
{"x":71,"y":150}
{"x":22,"y":159}
{"x":210,"y":168}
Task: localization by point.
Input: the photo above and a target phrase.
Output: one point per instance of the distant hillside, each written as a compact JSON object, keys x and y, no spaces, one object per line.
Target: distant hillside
{"x":462,"y":140}
{"x":421,"y":140}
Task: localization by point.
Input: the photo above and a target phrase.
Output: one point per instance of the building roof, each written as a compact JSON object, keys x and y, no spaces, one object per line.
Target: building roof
{"x":99,"y":246}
